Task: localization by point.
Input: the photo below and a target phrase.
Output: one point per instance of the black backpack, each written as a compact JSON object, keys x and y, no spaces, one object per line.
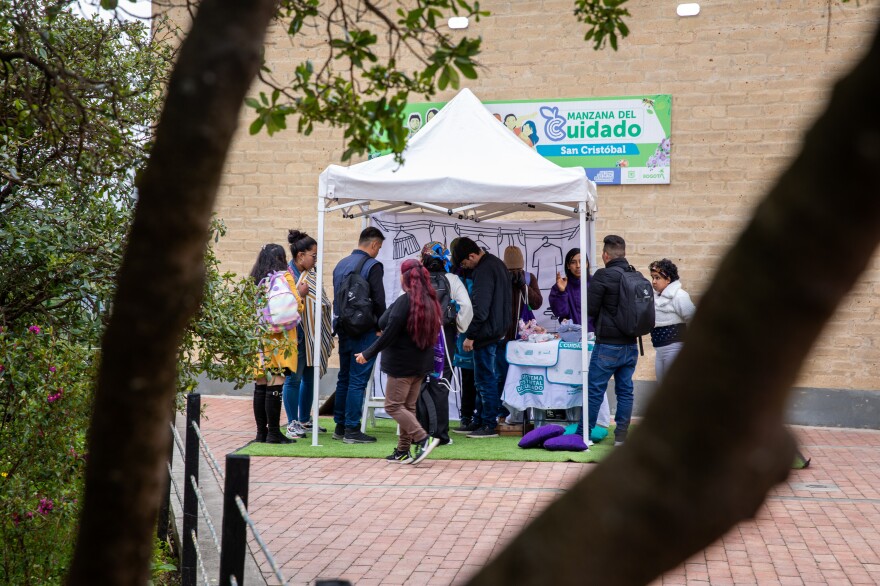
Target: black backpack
{"x":354,"y":303}
{"x":432,"y":408}
{"x":448,"y":311}
{"x":635,"y":310}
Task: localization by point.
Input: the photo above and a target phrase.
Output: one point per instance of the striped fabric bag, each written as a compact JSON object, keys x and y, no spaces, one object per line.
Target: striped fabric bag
{"x":309,"y":321}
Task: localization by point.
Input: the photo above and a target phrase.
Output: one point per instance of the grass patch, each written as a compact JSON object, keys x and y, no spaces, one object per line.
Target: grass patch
{"x":502,"y":448}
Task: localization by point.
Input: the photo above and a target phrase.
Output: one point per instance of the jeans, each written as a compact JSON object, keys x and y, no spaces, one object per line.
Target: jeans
{"x":501,"y":368}
{"x":486,"y":374}
{"x":353,"y":378}
{"x":306,"y":393}
{"x":619,"y":361}
{"x":290,"y":393}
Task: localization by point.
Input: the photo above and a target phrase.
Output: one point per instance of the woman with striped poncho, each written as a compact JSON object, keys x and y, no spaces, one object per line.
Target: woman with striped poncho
{"x":299,"y":387}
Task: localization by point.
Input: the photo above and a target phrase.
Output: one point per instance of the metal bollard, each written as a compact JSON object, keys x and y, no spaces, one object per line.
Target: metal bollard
{"x":234,"y":535}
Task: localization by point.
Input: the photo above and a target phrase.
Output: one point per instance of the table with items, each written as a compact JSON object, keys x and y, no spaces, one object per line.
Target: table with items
{"x":545,"y":375}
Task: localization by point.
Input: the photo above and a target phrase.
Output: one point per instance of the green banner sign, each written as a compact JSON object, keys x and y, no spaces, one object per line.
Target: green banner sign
{"x":618,"y":141}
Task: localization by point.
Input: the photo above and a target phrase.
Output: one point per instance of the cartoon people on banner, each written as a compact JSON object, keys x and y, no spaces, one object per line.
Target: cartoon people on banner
{"x":522,"y":126}
{"x":414,"y":122}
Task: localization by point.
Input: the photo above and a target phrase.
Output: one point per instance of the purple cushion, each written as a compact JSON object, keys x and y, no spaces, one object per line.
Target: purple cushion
{"x":566,"y":443}
{"x":539,"y":435}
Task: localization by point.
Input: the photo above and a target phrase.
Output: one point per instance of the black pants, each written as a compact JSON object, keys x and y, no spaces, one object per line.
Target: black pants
{"x":468,"y":393}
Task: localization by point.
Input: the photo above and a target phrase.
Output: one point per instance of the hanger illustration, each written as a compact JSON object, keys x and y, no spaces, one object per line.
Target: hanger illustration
{"x":404,"y":243}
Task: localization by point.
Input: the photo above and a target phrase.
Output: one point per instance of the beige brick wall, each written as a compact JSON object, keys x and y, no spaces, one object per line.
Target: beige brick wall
{"x":746,"y":77}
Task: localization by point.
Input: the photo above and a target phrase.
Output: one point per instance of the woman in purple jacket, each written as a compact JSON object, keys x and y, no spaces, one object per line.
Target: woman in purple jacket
{"x":565,"y":295}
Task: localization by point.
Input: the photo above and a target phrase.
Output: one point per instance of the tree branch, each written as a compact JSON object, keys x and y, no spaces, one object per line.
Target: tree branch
{"x":160,"y":285}
{"x":712,"y":443}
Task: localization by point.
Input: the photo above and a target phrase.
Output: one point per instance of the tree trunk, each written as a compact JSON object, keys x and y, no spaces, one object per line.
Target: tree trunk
{"x":712,"y":443}
{"x":160,"y":285}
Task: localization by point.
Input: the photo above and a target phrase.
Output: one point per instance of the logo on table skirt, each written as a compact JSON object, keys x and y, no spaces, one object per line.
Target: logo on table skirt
{"x":530,"y":383}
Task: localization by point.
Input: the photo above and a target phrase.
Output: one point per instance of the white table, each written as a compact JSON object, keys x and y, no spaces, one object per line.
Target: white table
{"x":551,"y":381}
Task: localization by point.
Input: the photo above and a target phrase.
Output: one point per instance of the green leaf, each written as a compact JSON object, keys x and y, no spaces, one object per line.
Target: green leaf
{"x":256,"y":126}
{"x":443,"y":81}
{"x":467,"y":69}
{"x":109,"y":4}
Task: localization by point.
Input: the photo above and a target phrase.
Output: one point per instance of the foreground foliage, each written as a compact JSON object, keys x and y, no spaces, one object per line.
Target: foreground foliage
{"x":78,"y":101}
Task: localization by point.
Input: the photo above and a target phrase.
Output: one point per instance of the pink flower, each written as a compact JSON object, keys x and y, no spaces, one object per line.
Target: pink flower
{"x":46,"y":506}
{"x":51,"y":369}
{"x":34,"y":329}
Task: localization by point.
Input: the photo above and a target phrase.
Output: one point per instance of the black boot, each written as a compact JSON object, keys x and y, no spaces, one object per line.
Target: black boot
{"x":260,"y":411}
{"x":273,"y":416}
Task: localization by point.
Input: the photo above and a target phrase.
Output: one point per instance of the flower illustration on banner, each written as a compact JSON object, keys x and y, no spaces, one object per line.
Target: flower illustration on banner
{"x":660,"y":158}
{"x":623,"y":163}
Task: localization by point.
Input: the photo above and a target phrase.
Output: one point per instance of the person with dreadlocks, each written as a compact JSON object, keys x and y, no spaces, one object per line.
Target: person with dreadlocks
{"x":673,"y":309}
{"x":409,"y":327}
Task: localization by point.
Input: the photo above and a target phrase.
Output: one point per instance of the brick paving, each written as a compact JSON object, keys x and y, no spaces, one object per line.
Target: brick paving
{"x":359,"y":519}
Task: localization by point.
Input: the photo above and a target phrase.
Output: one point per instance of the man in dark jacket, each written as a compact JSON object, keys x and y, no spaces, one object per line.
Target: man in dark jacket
{"x":614,"y":353}
{"x":492,"y":313}
{"x":353,"y":377}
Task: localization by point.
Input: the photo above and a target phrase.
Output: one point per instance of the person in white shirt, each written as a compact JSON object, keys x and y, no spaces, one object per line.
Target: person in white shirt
{"x":673,"y":309}
{"x":456,"y":314}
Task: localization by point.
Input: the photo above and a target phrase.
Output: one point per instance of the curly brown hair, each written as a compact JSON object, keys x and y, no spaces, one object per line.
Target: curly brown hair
{"x":666,"y":269}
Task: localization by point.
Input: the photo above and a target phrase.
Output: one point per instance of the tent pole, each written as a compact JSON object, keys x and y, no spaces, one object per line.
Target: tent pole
{"x":585,"y":344}
{"x":319,"y":319}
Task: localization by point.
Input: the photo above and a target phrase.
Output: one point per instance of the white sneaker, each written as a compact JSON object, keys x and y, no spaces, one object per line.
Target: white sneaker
{"x":423,"y":448}
{"x":295,"y":430}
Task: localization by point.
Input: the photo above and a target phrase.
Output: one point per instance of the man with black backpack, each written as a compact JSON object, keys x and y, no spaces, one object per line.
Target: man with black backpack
{"x":491,"y":298}
{"x":358,"y":302}
{"x":621,"y":302}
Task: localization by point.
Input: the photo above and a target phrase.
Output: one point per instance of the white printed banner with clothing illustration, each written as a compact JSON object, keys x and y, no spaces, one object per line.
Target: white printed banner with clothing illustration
{"x":617,"y":140}
{"x":544,"y":244}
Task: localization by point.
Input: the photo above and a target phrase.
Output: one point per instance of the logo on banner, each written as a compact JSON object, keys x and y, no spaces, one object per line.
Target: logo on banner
{"x":530,"y":384}
{"x":609,"y":176}
{"x":554,"y":124}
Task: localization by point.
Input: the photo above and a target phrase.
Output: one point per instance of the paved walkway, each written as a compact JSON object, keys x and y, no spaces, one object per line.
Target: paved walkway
{"x":371,"y":522}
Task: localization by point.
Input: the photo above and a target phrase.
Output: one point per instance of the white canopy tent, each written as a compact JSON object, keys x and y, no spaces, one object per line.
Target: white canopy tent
{"x":462,"y":163}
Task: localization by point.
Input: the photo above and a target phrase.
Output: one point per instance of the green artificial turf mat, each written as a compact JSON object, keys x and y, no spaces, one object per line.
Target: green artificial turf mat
{"x":463,"y":448}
